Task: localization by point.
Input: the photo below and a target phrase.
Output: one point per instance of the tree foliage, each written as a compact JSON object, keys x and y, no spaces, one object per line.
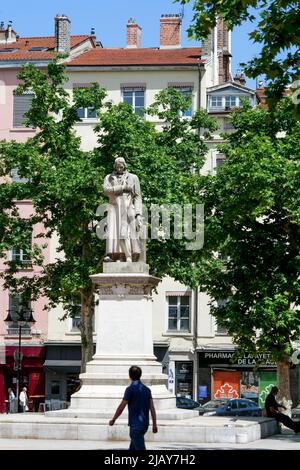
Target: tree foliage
{"x":253,"y":223}
{"x":277,"y":31}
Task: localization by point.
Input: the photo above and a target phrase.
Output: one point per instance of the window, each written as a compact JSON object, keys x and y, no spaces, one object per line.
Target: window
{"x":76,"y":323}
{"x":186,"y":92}
{"x":8,"y":50}
{"x":135,"y":97}
{"x":228,"y":126}
{"x":55,"y":387}
{"x":38,"y":49}
{"x":22,"y":105}
{"x":22,"y":255}
{"x":216,"y":101}
{"x":18,"y":304}
{"x":220,"y":159}
{"x":76,"y":316}
{"x":221,"y":330}
{"x":234,"y":404}
{"x":179,"y":313}
{"x":16,"y":178}
{"x":230,"y":101}
{"x":87,"y":113}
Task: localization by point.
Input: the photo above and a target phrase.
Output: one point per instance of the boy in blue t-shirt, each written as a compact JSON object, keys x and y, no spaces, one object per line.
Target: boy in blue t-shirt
{"x":139,"y":400}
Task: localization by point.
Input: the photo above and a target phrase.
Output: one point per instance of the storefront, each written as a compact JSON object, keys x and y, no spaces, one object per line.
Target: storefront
{"x":62,"y":368}
{"x":32,"y":372}
{"x":222,"y":376}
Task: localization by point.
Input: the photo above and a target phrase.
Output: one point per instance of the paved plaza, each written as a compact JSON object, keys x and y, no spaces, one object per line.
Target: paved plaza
{"x":287,"y":440}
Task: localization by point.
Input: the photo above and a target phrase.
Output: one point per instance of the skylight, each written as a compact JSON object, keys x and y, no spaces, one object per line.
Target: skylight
{"x":8,"y":50}
{"x":38,"y":49}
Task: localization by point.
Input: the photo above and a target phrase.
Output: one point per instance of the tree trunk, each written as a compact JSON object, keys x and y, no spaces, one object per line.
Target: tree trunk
{"x":86,"y":327}
{"x":283,"y":383}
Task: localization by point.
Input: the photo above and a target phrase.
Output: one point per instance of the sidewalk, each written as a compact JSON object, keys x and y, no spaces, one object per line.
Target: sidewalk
{"x":285,"y":441}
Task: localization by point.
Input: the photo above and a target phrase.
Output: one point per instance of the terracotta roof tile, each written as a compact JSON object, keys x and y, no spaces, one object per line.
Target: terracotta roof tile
{"x":140,"y":56}
{"x":23,"y":44}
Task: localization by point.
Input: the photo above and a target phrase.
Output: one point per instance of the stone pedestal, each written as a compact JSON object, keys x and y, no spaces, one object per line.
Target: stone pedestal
{"x":124,"y":338}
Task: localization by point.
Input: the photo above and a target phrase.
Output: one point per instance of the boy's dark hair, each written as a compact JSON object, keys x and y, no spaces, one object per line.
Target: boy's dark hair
{"x":135,"y":373}
{"x":274,"y":389}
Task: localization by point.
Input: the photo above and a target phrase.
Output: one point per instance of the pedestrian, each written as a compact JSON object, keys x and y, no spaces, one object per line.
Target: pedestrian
{"x":139,"y":400}
{"x":24,"y":399}
{"x":9,"y":402}
{"x":272,"y":409}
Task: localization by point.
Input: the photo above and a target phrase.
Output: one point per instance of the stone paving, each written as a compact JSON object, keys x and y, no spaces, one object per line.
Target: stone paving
{"x":287,"y":440}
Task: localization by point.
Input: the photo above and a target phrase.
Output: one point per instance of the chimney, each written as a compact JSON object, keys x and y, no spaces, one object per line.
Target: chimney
{"x":170,"y":31}
{"x":133,"y":35}
{"x":8,"y":35}
{"x":223,"y":37}
{"x":62,"y":34}
{"x":239,"y":78}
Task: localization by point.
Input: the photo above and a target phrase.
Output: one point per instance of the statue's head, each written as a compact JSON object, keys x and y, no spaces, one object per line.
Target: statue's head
{"x":120,"y":165}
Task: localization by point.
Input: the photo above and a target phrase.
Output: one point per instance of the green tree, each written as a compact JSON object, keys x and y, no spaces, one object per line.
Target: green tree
{"x":253,"y":223}
{"x":65,"y":184}
{"x":277,"y":31}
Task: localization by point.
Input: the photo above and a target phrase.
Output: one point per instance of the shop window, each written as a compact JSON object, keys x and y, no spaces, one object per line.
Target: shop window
{"x":73,"y":385}
{"x":55,"y":387}
{"x":179,"y":312}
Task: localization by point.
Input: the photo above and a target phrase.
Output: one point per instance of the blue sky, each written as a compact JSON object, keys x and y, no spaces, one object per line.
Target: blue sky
{"x":109,"y":17}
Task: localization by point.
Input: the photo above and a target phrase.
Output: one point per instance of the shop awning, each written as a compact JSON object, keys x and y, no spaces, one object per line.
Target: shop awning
{"x":62,"y":365}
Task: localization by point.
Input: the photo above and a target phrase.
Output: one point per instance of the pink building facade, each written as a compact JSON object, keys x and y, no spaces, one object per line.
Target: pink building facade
{"x":15,"y":51}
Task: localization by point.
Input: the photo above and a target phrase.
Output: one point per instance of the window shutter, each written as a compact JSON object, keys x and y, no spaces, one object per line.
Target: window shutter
{"x":22,"y":104}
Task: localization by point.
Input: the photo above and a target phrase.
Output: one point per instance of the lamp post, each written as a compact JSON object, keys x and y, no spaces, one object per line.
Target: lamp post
{"x":22,"y":317}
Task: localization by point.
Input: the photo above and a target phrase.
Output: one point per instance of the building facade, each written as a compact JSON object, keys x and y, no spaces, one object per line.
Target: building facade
{"x":15,"y":51}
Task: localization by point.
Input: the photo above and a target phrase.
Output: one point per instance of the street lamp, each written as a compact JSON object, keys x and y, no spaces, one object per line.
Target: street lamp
{"x":22,"y":317}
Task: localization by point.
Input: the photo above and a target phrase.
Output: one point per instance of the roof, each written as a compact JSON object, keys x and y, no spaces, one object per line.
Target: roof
{"x":23,"y":44}
{"x":138,"y":56}
{"x":230,"y":83}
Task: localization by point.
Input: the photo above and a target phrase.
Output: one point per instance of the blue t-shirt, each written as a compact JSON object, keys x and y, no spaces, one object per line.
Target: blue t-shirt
{"x":138,"y":397}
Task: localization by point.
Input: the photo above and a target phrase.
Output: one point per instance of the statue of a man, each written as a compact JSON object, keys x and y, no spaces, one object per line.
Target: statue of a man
{"x":124,"y":219}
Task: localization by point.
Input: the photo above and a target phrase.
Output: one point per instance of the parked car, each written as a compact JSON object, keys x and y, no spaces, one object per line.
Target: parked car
{"x":187,"y":403}
{"x":212,"y":405}
{"x":232,"y":407}
{"x":296,"y":413}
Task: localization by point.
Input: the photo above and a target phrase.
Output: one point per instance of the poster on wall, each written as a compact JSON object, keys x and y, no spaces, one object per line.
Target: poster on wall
{"x":184,"y":379}
{"x":226,"y":384}
{"x":249,"y":387}
{"x":267,"y":380}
